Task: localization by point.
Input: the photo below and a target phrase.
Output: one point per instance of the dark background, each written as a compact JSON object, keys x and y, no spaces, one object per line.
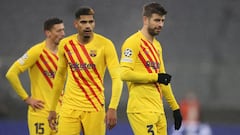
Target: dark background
{"x":200,"y":43}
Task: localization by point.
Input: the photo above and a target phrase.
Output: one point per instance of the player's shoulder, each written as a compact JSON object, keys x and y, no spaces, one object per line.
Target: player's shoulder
{"x":38,"y":47}
{"x":133,"y":39}
{"x":102,"y":39}
{"x":68,"y":38}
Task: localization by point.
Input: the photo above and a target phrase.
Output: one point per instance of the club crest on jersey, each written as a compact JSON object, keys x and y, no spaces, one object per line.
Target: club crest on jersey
{"x":128,"y":52}
{"x":93,"y":53}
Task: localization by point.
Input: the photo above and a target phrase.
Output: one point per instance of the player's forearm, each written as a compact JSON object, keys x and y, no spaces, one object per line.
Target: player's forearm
{"x":168,"y":95}
{"x":58,"y":86}
{"x":117,"y":85}
{"x":137,"y":77}
{"x":13,"y":77}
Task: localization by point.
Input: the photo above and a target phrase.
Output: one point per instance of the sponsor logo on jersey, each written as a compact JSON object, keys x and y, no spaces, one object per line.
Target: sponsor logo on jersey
{"x":152,"y":64}
{"x":83,"y":66}
{"x":50,"y":74}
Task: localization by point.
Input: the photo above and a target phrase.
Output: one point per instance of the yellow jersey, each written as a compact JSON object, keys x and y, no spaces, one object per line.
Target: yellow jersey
{"x":41,"y":64}
{"x":85,"y":65}
{"x":141,"y":61}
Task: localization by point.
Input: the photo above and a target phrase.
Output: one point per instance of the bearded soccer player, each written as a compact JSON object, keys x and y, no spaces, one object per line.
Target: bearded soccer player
{"x":142,"y":67}
{"x":41,"y":63}
{"x":84,"y":56}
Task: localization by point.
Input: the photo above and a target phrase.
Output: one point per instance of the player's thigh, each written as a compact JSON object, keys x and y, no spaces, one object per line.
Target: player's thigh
{"x":143,"y":123}
{"x":38,"y":125}
{"x":162,"y":125}
{"x":93,"y":123}
{"x":69,"y":123}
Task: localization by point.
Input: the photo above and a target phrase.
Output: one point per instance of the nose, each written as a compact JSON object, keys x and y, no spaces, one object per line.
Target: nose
{"x":88,"y":25}
{"x":161,"y":23}
{"x":63,"y":33}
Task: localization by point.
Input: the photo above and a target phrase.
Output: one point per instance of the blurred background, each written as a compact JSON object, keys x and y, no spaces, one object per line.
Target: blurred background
{"x":200,"y":42}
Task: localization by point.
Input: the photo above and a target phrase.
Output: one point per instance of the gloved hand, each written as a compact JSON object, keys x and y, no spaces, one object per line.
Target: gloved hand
{"x":177,"y":119}
{"x":164,"y":78}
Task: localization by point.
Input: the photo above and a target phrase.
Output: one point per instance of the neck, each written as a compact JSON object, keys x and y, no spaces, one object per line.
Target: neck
{"x":147,"y":35}
{"x":84,"y":40}
{"x":51,"y":46}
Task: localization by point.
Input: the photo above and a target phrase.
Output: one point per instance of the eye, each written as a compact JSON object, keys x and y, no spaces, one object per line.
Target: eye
{"x":91,"y":21}
{"x":83,"y":22}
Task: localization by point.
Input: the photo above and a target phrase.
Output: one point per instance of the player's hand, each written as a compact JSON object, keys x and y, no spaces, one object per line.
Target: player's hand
{"x":164,"y":78}
{"x":52,"y":120}
{"x":177,"y":119}
{"x":34,"y":103}
{"x":111,"y":118}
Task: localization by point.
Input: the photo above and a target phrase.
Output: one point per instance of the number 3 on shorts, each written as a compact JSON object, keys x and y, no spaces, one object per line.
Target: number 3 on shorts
{"x":150,"y":129}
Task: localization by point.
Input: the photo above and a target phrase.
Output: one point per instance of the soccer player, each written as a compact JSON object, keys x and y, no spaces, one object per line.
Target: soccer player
{"x":41,"y":63}
{"x":142,"y":67}
{"x":84,"y":56}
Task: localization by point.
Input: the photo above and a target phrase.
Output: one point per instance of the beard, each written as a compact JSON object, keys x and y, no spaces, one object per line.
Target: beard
{"x":86,"y":37}
{"x":153,"y":31}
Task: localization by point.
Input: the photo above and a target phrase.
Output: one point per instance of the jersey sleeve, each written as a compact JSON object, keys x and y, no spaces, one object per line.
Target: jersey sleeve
{"x":167,"y":89}
{"x":59,"y":80}
{"x":168,"y":95}
{"x":19,"y":66}
{"x":129,"y":56}
{"x":113,"y":68}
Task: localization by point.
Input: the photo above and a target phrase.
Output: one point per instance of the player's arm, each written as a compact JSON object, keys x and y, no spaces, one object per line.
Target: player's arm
{"x":58,"y":86}
{"x":169,"y":96}
{"x":114,"y":68}
{"x":166,"y":89}
{"x":13,"y":78}
{"x":127,"y":74}
{"x":117,"y":84}
{"x":59,"y":79}
{"x":129,"y":56}
{"x":18,"y":67}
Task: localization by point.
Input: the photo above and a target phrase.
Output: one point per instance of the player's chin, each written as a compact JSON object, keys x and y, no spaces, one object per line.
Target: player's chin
{"x":157,"y":31}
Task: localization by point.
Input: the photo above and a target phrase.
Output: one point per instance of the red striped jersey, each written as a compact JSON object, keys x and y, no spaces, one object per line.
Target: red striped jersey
{"x":41,"y":64}
{"x":85,"y":65}
{"x":144,"y":61}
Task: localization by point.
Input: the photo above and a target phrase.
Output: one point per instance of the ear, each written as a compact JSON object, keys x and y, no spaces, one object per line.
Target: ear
{"x":75,"y":24}
{"x":145,"y":20}
{"x":47,"y":33}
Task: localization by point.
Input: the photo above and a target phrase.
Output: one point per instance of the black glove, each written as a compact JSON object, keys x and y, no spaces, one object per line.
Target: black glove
{"x":164,"y":78}
{"x":177,"y":119}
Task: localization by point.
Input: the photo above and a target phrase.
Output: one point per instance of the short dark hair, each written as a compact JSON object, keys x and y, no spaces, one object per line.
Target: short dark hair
{"x":152,"y":8}
{"x":49,"y":23}
{"x":84,"y":11}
